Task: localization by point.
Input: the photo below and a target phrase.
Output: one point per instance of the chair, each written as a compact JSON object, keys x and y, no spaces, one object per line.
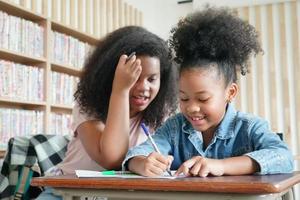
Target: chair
{"x":29,"y":157}
{"x":290,"y":195}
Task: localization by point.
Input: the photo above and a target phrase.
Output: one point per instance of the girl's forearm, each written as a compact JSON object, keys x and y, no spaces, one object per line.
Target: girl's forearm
{"x":115,"y":137}
{"x":240,"y":165}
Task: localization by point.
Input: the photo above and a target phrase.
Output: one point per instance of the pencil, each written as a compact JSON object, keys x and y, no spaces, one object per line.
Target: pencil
{"x":153,"y":143}
{"x":130,"y":56}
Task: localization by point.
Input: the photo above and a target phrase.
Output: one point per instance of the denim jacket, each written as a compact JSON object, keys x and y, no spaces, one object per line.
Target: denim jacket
{"x":238,"y":134}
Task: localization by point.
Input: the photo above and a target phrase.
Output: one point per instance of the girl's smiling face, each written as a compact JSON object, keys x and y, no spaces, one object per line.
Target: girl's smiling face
{"x":203,"y":97}
{"x":147,"y":86}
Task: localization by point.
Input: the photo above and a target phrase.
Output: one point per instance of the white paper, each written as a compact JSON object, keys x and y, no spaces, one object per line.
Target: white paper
{"x":119,"y":174}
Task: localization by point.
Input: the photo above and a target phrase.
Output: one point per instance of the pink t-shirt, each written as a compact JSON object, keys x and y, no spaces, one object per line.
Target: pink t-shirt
{"x":77,"y":157}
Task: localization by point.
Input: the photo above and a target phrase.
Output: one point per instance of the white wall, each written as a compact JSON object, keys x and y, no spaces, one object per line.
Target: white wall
{"x":161,"y":15}
{"x":233,"y":3}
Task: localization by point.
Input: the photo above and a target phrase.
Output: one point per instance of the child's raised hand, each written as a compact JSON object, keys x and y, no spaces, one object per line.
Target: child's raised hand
{"x":200,"y":166}
{"x":127,"y":72}
{"x":154,"y":164}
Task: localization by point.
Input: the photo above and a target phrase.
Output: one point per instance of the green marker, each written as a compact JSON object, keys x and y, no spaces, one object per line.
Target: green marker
{"x":113,"y":172}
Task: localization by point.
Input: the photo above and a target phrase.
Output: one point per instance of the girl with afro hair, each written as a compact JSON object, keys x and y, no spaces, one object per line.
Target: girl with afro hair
{"x":114,"y":95}
{"x":209,"y":136}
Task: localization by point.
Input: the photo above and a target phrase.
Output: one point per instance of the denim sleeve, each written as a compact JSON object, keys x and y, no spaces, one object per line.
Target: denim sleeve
{"x":161,"y":139}
{"x":270,"y":152}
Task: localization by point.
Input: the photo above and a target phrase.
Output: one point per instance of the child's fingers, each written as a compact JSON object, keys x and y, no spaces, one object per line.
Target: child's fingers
{"x":136,"y":68}
{"x":135,"y":64}
{"x":161,"y":158}
{"x":194,"y":170}
{"x":159,"y":165}
{"x":179,"y":171}
{"x":153,"y":166}
{"x":122,"y":60}
{"x":131,"y":57}
{"x":200,"y":168}
{"x":185,"y":167}
{"x":182,"y":170}
{"x":189,"y":163}
{"x":170,"y":160}
{"x":156,"y":171}
{"x":130,"y":61}
{"x":204,"y":171}
{"x":151,"y":170}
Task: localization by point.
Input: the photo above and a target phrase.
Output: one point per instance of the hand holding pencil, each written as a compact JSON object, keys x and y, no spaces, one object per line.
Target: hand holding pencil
{"x":153,"y":143}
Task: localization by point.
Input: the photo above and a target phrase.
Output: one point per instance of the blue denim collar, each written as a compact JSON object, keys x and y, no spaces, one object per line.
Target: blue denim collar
{"x":224,"y":131}
{"x":187,"y":126}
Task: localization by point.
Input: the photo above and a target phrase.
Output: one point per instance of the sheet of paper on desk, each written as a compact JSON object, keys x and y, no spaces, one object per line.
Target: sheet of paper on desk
{"x":119,"y":174}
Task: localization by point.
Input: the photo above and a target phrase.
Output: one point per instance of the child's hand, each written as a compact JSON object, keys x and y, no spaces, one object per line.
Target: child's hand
{"x":127,"y":73}
{"x":156,"y":164}
{"x":153,"y":165}
{"x":200,"y":166}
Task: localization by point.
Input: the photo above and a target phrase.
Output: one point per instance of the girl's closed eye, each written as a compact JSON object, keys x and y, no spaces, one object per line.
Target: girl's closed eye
{"x":203,"y":99}
{"x":184,"y":99}
{"x":152,"y":78}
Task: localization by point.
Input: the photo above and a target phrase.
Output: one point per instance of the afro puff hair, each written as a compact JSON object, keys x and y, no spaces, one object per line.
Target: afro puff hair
{"x":215,"y":35}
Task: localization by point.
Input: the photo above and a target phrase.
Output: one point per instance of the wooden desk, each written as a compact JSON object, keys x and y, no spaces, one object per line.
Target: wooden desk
{"x":213,"y":188}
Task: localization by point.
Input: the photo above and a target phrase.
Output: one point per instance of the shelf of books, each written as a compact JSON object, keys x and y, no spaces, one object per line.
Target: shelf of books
{"x":40,"y":65}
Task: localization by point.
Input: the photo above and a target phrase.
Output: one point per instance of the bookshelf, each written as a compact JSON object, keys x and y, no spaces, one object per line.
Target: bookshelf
{"x":43,"y":66}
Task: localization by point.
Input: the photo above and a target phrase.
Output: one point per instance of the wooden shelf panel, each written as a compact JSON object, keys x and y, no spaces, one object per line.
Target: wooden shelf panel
{"x":19,"y":11}
{"x":55,"y":26}
{"x":20,"y":58}
{"x":65,"y":69}
{"x":61,"y":108}
{"x":4,"y":100}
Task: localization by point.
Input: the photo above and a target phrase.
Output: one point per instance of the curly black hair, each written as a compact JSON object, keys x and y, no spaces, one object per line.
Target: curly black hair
{"x":95,"y":85}
{"x":215,"y":35}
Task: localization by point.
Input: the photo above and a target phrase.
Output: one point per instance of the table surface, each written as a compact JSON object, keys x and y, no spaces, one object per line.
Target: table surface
{"x":253,"y":184}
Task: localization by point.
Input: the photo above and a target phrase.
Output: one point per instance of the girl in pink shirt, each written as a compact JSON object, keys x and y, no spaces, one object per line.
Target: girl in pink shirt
{"x":115,"y":93}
